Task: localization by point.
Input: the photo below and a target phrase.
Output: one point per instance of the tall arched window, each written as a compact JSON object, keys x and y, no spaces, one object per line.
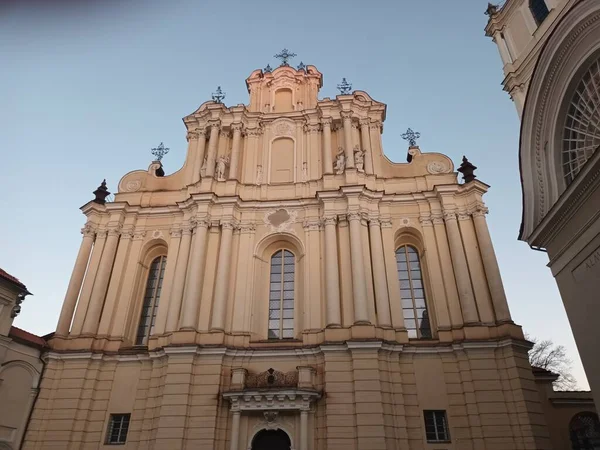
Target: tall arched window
{"x":585,"y":432}
{"x":539,"y":10}
{"x":581,"y":136}
{"x":281,"y":295}
{"x":151,"y":298}
{"x":412,"y":292}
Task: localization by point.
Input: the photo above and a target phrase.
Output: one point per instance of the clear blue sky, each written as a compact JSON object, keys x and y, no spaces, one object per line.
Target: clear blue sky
{"x":88,"y":87}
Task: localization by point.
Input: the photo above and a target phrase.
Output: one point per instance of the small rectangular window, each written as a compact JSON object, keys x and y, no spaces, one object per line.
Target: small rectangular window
{"x":117,"y":429}
{"x":436,"y":426}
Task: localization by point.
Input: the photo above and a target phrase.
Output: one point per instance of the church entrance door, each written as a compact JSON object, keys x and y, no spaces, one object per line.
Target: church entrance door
{"x":271,"y":440}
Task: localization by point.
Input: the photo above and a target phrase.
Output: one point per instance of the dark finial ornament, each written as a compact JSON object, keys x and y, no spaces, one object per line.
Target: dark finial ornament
{"x":284,"y":55}
{"x":218,"y":96}
{"x":268,"y":69}
{"x":160,"y":151}
{"x":467,"y":169}
{"x":411,"y":136}
{"x":301,"y":66}
{"x":344,"y":87}
{"x":491,"y":10}
{"x":101,"y":193}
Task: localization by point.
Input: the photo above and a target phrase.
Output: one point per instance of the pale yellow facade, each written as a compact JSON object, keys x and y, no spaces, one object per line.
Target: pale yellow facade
{"x":555,"y":83}
{"x":289,"y":174}
{"x":20,"y":365}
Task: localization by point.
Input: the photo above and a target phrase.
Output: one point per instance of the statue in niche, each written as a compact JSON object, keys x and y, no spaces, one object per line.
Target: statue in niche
{"x":220,"y":167}
{"x":259,"y":175}
{"x":203,"y":168}
{"x":340,"y":162}
{"x":304,"y":172}
{"x":359,"y":159}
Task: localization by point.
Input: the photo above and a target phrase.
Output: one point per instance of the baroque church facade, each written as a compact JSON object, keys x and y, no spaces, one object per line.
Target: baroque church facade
{"x":288,"y":288}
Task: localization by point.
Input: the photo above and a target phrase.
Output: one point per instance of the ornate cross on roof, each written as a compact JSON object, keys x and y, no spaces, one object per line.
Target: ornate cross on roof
{"x":160,"y":151}
{"x":218,"y":96}
{"x":344,"y":87}
{"x":284,"y":55}
{"x":411,"y":136}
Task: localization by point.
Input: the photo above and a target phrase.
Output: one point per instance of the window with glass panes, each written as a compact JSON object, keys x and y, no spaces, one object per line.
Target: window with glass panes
{"x":281,"y":295}
{"x":117,"y":429}
{"x":412,"y":292}
{"x":436,"y":426}
{"x":539,"y":10}
{"x":151,"y":298}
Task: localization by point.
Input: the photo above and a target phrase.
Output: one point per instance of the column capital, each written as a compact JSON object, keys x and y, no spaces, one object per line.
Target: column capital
{"x":464,"y":215}
{"x":199,"y":222}
{"x":312,"y":128}
{"x":449,"y":215}
{"x":115,"y":230}
{"x":237,"y":127}
{"x":139,"y":235}
{"x":102,"y":233}
{"x":374,"y":222}
{"x":200,"y":131}
{"x":426,"y":220}
{"x":346,"y":114}
{"x":127,"y":234}
{"x":214,"y":123}
{"x":88,"y":230}
{"x":312,"y":225}
{"x":247,"y":227}
{"x":224,"y":133}
{"x":191,"y":135}
{"x":480,"y":211}
{"x":175,"y":232}
{"x":386,"y":223}
{"x":375,"y":125}
{"x":355,"y":215}
{"x":187,"y":228}
{"x":330,"y":220}
{"x":437,"y":218}
{"x":364,"y":122}
{"x":228,"y":225}
{"x":326,"y":121}
{"x":257,"y":131}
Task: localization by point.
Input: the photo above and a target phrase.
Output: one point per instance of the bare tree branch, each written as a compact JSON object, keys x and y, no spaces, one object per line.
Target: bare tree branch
{"x":549,"y":356}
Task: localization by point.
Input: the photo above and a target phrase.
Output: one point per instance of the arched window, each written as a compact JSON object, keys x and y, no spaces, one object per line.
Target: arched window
{"x":281,"y":295}
{"x":585,"y":432}
{"x":151,"y":298}
{"x":412,"y":292}
{"x":581,"y":136}
{"x":539,"y":10}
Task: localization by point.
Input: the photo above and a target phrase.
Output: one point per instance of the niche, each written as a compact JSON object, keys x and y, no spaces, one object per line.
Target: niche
{"x":282,"y":161}
{"x":283,"y":100}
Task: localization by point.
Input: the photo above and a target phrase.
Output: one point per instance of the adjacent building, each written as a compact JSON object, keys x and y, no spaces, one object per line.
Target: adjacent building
{"x":550,"y":50}
{"x":289,"y":287}
{"x":20,"y":365}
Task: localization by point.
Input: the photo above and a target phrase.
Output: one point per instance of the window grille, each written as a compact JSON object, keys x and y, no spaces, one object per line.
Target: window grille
{"x":117,"y":429}
{"x":581,"y":137}
{"x":412,"y":292}
{"x":436,"y":426}
{"x":281,"y":295}
{"x":151,"y":298}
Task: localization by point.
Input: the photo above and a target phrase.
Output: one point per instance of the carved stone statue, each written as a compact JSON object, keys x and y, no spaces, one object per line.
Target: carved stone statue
{"x":220,"y":167}
{"x":203,"y":168}
{"x":259,"y":175}
{"x":359,"y":159}
{"x":340,"y":162}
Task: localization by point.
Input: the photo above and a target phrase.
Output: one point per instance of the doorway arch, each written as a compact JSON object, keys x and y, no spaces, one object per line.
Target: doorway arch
{"x":271,"y":440}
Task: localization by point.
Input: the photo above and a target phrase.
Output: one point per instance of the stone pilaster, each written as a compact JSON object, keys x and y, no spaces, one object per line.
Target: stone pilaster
{"x":179,"y":277}
{"x":222,"y":282}
{"x":191,"y":301}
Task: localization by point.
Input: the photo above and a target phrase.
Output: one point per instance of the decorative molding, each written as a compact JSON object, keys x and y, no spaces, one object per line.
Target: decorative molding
{"x":464,"y":215}
{"x":364,"y":122}
{"x":375,"y":125}
{"x":247,"y":227}
{"x":346,"y":115}
{"x":127,"y":234}
{"x":354,"y":216}
{"x":425,"y":220}
{"x":404,"y":222}
{"x":326,"y":121}
{"x":200,"y":132}
{"x":438,"y":218}
{"x":436,"y":167}
{"x":312,"y":128}
{"x":280,"y":220}
{"x":332,"y":220}
{"x":158,"y":234}
{"x":191,"y":135}
{"x":228,"y":225}
{"x":258,"y":131}
{"x":237,"y":127}
{"x":175,"y":232}
{"x":283,"y":127}
{"x":101,"y":233}
{"x":275,"y":399}
{"x":312,"y":225}
{"x":480,"y":211}
{"x":449,"y":215}
{"x":214,"y":124}
{"x":386,"y":223}
{"x":115,"y":230}
{"x":133,"y":185}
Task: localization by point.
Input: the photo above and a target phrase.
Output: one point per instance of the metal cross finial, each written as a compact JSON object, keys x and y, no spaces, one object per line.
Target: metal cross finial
{"x":411,"y":136}
{"x":160,"y":151}
{"x":344,"y":87}
{"x":218,"y":96}
{"x":284,"y":55}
